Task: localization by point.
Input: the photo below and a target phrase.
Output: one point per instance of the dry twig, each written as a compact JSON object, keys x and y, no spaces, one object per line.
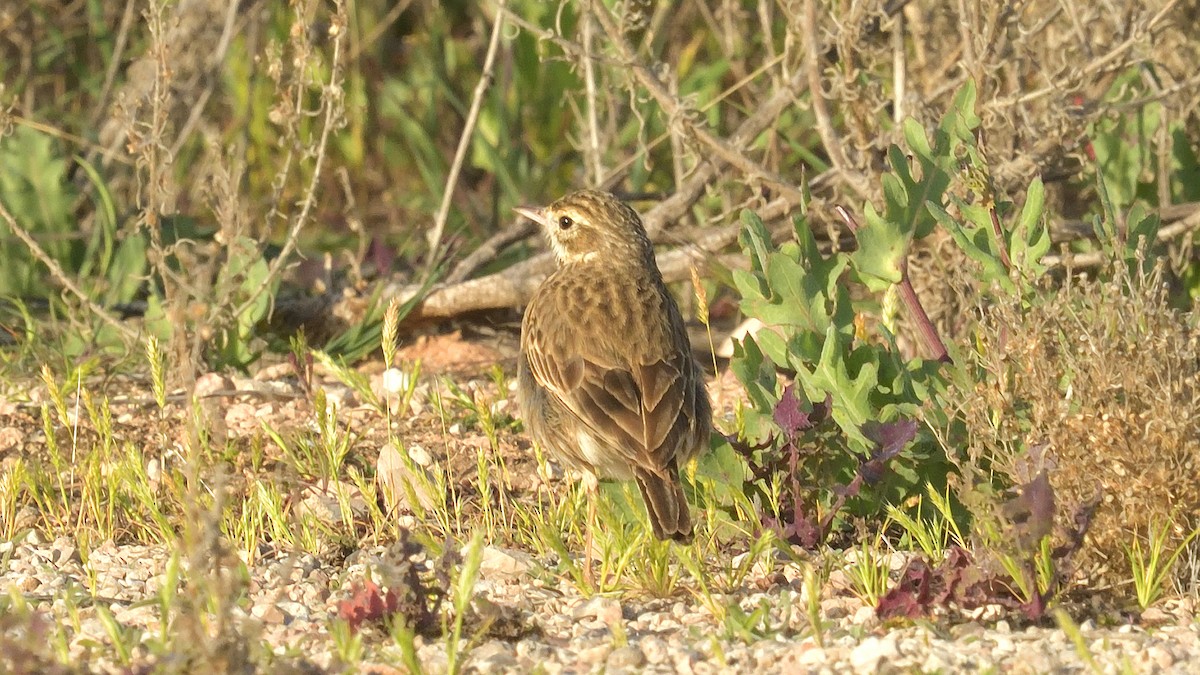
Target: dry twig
{"x":464,"y":141}
{"x":727,"y":152}
{"x":816,"y":94}
{"x":1069,"y":260}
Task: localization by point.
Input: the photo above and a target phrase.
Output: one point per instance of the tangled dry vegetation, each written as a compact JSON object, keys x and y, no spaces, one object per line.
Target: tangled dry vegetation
{"x":684,"y":103}
{"x":1098,"y":384}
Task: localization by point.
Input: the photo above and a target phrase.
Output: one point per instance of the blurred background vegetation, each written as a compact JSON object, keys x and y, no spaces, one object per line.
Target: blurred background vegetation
{"x":164,"y":154}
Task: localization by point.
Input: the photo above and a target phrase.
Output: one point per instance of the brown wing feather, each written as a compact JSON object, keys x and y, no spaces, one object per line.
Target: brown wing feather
{"x":545,"y":347}
{"x":631,"y":399}
{"x":662,"y":386}
{"x":612,"y":402}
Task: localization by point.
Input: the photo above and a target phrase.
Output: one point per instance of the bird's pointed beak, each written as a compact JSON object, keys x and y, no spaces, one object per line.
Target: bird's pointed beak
{"x":535,"y":214}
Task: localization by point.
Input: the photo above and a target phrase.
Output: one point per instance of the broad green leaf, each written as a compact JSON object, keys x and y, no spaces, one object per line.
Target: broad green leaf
{"x":1141,"y":226}
{"x":754,"y":239}
{"x":127,"y":272}
{"x":1030,"y":240}
{"x":1031,"y":212}
{"x":977,"y":244}
{"x":35,"y":190}
{"x":725,"y":468}
{"x":881,"y":250}
{"x":851,"y":394}
{"x":915,"y":138}
{"x":100,"y":249}
{"x":749,"y":286}
{"x":962,"y":121}
{"x":755,"y":374}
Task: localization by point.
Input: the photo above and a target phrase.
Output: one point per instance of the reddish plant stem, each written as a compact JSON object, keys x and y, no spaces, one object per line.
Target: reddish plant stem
{"x":909,"y":296}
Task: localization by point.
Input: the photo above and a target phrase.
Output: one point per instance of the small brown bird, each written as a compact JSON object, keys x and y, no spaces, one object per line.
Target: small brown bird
{"x":606,"y":380}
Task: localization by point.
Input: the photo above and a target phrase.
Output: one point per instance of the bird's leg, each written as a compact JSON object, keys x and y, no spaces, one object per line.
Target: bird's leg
{"x":592,"y":485}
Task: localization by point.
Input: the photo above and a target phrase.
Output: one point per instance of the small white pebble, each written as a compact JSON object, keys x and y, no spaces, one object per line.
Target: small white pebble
{"x":420,"y":456}
{"x":395,"y":380}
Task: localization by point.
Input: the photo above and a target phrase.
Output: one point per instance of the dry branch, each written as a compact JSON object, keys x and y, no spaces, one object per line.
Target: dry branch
{"x":1186,"y":224}
{"x":464,"y":140}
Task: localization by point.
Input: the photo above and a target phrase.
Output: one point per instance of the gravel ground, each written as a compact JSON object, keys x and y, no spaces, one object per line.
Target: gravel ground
{"x":289,"y":603}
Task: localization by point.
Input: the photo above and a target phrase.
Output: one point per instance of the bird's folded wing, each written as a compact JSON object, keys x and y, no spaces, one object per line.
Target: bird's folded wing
{"x":641,"y":404}
{"x":634,"y":407}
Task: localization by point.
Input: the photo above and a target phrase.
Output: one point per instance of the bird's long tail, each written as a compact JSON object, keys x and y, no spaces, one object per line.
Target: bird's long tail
{"x":666,"y":505}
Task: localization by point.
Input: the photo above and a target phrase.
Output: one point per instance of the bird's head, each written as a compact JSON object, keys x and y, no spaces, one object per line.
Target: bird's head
{"x":590,"y":225}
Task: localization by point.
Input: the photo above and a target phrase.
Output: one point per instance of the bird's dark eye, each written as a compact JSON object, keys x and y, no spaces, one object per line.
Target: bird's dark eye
{"x":565,"y":223}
